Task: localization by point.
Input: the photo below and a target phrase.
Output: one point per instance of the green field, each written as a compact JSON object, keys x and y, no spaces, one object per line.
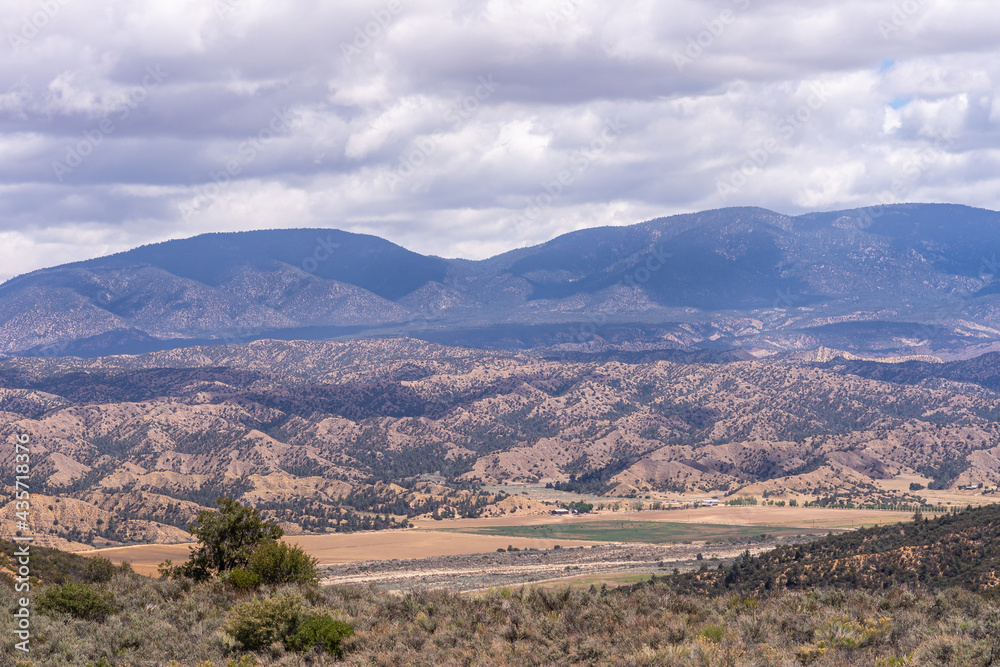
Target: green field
{"x":654,"y":532}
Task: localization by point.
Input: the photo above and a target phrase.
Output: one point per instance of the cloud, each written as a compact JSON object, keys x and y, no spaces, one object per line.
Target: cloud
{"x":387,"y":126}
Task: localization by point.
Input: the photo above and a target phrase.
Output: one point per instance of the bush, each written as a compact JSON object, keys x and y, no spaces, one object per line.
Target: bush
{"x":241,"y":579}
{"x":258,"y":623}
{"x":321,"y":631}
{"x":100,"y":570}
{"x":78,"y":600}
{"x":278,"y":563}
{"x":713,"y":633}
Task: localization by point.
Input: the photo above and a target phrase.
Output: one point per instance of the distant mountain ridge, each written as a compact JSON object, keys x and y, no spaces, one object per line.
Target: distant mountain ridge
{"x":902,"y":280}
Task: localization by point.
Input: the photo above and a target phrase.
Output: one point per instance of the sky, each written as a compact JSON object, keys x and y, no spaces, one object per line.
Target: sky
{"x":465,"y":128}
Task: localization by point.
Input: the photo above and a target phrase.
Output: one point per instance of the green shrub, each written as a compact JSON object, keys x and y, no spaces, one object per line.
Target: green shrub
{"x":241,"y":579}
{"x":713,"y":633}
{"x":78,"y":600}
{"x":258,"y":623}
{"x":100,"y":570}
{"x":321,"y":631}
{"x":278,"y":563}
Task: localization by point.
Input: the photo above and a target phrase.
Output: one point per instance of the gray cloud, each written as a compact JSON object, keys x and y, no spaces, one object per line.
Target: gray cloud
{"x":139,"y":121}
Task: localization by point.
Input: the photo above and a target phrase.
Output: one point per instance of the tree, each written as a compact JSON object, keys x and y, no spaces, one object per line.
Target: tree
{"x":227,"y":540}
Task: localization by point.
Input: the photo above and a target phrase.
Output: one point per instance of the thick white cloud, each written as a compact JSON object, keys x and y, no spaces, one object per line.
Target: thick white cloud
{"x":469,"y":127}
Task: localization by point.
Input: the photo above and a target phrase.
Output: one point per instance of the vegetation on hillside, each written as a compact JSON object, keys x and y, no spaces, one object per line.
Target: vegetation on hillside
{"x":961,"y":549}
{"x":885,"y":615}
{"x":370,"y":434}
{"x":235,"y":543}
{"x":169,"y":622}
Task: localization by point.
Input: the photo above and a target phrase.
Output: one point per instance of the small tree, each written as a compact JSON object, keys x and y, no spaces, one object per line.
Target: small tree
{"x":227,"y":540}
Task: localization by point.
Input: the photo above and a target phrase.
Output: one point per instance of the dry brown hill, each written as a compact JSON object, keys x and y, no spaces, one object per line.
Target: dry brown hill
{"x":361,"y":434}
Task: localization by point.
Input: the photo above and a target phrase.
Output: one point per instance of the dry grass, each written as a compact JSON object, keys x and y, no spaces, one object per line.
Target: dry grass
{"x":159,"y":622}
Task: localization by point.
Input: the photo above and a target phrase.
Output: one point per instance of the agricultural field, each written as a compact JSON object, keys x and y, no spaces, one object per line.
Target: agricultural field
{"x":464,"y":554}
{"x":656,"y":532}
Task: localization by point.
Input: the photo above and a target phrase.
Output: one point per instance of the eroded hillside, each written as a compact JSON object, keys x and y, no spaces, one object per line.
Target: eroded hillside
{"x":364,"y":434}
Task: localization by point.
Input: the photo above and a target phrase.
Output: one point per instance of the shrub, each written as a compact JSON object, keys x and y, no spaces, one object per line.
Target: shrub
{"x":258,"y":623}
{"x":241,"y":579}
{"x":321,"y":631}
{"x":713,"y":633}
{"x":100,"y":570}
{"x":278,"y":563}
{"x":78,"y":600}
{"x":244,"y":661}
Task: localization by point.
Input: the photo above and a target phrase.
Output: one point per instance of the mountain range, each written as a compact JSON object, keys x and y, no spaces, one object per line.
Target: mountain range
{"x":909,"y":279}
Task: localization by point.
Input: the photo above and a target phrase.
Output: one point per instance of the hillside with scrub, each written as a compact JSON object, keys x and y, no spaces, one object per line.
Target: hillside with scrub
{"x":360,"y":435}
{"x":949,"y":550}
{"x":255,"y":607}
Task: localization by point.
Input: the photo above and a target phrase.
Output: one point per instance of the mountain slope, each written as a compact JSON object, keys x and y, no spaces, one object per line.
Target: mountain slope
{"x":950,"y":550}
{"x":904,"y":279}
{"x":313,"y":432}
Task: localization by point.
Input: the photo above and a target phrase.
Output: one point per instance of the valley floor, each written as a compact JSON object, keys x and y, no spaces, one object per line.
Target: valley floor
{"x":451,"y":552}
